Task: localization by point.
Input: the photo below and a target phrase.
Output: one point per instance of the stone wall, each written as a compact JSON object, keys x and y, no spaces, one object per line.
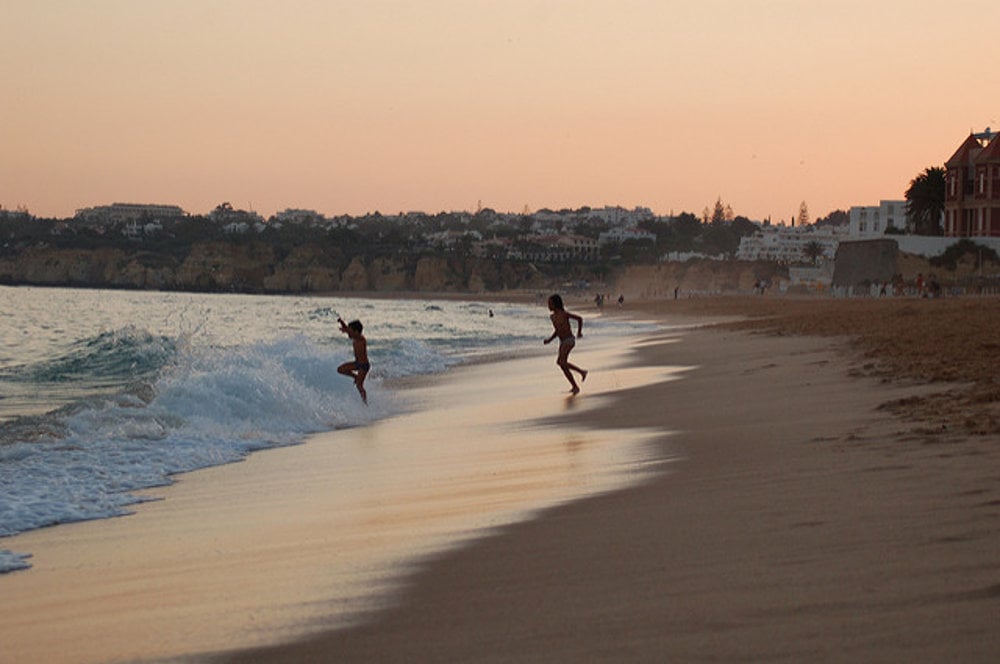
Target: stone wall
{"x":865,"y":262}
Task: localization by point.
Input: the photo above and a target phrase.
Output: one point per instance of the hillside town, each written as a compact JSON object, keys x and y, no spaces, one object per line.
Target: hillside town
{"x":587,"y":243}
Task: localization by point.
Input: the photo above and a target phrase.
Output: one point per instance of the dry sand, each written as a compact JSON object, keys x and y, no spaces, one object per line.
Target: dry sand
{"x":805,"y":523}
{"x":953,"y":343}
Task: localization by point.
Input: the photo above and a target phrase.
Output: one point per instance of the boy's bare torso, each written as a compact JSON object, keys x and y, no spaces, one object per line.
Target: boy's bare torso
{"x":360,"y":349}
{"x":560,"y":321}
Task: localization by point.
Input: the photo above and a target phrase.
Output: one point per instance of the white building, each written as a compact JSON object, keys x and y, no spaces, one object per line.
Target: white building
{"x":787,"y":244}
{"x":619,"y":216}
{"x":129,"y":212}
{"x":556,"y":248}
{"x":872,"y":221}
{"x":448,"y":239}
{"x":293,"y":216}
{"x":134,"y":229}
{"x":619,"y":235}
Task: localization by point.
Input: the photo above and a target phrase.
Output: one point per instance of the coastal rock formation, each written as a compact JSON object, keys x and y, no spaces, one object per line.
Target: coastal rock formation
{"x":304,"y":269}
{"x":355,"y":277}
{"x":430,"y":274}
{"x":42,"y":265}
{"x":260,"y":267}
{"x":694,"y":276}
{"x":389,"y":274}
{"x":221,"y":266}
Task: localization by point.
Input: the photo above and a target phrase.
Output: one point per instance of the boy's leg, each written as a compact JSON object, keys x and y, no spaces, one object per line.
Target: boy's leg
{"x":582,"y":372}
{"x":359,"y":382}
{"x":564,"y":364}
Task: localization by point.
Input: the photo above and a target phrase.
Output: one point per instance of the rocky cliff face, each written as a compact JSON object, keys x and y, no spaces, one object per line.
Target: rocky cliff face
{"x":257,"y":267}
{"x":704,"y":276}
{"x":39,"y":265}
{"x":305,"y":269}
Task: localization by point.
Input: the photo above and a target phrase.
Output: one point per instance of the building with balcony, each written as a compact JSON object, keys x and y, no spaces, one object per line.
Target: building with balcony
{"x":556,"y":248}
{"x":788,"y":244}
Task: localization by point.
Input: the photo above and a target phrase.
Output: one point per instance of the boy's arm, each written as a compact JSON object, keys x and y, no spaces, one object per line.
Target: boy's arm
{"x":579,"y":323}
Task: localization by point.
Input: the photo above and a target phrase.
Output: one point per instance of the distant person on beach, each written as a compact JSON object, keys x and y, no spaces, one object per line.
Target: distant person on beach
{"x":561,"y":328}
{"x":359,"y":368}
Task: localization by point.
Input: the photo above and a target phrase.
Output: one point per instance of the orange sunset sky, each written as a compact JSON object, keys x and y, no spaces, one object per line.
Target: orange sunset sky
{"x":349,"y":107}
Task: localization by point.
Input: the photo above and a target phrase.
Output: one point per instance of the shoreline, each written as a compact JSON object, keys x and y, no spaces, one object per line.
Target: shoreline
{"x":804,"y":522}
{"x":290,"y":538}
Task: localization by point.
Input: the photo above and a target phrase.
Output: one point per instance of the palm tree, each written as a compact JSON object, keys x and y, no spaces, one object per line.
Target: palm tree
{"x":813,"y":250}
{"x":925,"y":201}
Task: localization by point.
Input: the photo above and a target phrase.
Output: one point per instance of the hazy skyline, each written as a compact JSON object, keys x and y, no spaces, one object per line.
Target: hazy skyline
{"x":436,"y":105}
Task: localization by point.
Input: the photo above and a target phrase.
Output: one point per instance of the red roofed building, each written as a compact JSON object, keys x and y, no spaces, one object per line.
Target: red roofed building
{"x":972,"y":194}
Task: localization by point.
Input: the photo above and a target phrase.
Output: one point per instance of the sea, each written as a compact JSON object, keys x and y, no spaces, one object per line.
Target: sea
{"x":104,"y":393}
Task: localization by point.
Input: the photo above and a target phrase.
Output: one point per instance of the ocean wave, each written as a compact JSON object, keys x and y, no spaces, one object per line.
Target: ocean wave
{"x":128,"y":352}
{"x":206,"y":407}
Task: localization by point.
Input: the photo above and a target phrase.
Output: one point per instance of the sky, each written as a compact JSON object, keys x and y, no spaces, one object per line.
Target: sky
{"x":358,"y":106}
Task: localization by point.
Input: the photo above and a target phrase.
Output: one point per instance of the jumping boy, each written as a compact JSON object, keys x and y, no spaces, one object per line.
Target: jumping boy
{"x":561,"y":324}
{"x":358,"y":369}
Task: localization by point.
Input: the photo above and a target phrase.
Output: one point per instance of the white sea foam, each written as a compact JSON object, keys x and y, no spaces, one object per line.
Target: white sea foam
{"x":10,"y":561}
{"x":209,"y":407}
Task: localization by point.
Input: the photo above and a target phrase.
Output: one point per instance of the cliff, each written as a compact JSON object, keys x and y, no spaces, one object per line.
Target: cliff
{"x":258,"y":267}
{"x":695,"y":276}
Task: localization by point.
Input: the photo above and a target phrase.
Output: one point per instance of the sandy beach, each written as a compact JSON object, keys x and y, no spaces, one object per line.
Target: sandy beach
{"x":803,"y":523}
{"x":794,"y":484}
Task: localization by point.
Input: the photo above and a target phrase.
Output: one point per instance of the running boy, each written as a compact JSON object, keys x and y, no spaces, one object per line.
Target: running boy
{"x":561,"y":324}
{"x":358,"y":369}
